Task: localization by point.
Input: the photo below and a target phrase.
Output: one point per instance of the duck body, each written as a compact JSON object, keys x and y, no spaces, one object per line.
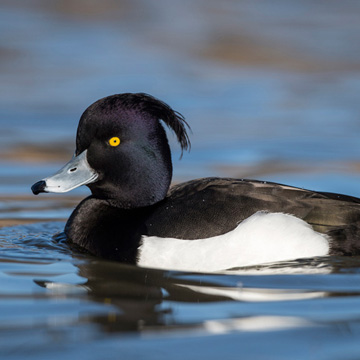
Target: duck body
{"x":199,"y":225}
{"x":207,"y":224}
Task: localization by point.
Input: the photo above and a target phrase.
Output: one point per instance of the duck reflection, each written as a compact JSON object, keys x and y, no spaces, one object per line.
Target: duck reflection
{"x":142,"y":297}
{"x":139,"y":299}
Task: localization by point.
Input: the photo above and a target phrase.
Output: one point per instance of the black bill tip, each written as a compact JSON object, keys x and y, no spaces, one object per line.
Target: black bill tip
{"x":38,"y":187}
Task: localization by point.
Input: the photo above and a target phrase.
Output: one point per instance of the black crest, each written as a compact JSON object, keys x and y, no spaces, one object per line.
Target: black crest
{"x":157,"y":108}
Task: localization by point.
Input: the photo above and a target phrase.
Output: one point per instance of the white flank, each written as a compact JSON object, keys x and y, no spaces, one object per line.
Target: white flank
{"x":261,"y":238}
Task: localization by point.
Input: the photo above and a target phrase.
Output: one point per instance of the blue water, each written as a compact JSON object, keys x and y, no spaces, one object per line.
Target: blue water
{"x":270,"y":90}
{"x":55,"y":302}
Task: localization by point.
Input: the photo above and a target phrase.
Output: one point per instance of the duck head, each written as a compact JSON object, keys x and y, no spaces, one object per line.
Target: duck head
{"x":122,"y":152}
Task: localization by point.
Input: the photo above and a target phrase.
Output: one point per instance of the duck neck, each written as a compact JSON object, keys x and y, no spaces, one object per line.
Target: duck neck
{"x":106,"y":231}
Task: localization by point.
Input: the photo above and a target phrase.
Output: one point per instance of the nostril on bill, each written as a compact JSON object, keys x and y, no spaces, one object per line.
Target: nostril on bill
{"x":73,"y":169}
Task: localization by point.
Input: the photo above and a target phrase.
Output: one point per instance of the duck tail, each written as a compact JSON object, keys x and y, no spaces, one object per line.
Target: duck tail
{"x":345,"y":241}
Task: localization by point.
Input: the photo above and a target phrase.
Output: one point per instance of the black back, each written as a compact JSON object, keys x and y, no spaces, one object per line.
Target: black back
{"x":209,"y":207}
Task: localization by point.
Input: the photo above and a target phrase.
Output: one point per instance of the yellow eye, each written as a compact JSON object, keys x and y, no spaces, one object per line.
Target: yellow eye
{"x":114,"y":141}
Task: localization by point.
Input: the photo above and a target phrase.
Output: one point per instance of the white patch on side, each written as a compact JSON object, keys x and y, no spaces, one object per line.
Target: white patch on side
{"x":261,"y":238}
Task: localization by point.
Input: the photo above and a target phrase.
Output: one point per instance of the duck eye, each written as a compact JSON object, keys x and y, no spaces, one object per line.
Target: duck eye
{"x":114,"y":141}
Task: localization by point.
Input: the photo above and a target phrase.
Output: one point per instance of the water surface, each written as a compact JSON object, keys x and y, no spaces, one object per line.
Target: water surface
{"x":55,"y":302}
{"x":271,"y":91}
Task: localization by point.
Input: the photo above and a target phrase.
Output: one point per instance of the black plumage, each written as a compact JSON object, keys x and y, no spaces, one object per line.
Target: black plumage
{"x":131,"y":196}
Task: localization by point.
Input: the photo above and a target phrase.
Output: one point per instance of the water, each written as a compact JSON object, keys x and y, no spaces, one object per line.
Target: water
{"x":270,"y":90}
{"x":54,"y":303}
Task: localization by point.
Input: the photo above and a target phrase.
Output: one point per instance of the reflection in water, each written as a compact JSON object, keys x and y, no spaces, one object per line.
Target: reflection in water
{"x":50,"y":295}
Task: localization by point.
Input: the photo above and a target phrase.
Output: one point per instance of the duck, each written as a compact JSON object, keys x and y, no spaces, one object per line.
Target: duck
{"x":135,"y":216}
